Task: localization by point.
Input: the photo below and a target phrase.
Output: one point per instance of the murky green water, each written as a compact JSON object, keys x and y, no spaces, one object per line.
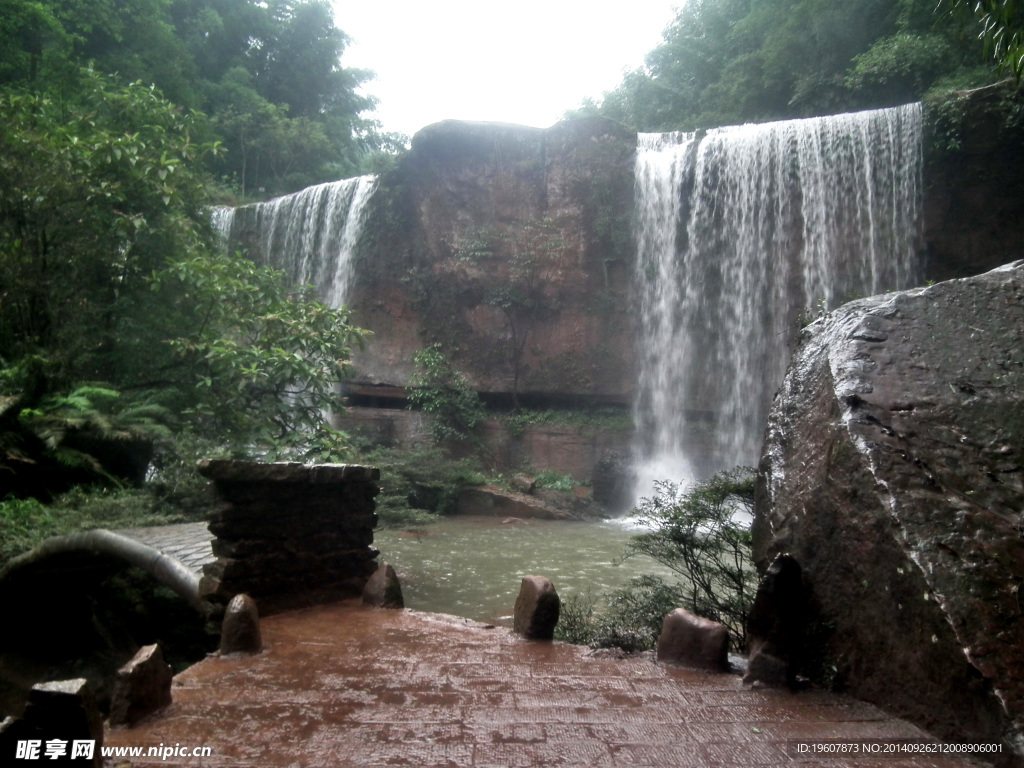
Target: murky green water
{"x":472,"y":567}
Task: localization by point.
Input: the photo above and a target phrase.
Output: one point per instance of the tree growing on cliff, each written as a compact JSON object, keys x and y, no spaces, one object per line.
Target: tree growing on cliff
{"x":441,"y":391}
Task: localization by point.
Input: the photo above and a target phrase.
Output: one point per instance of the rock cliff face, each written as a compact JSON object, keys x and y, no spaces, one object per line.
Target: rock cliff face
{"x":511,"y":247}
{"x":974,"y":192}
{"x":893,"y":472}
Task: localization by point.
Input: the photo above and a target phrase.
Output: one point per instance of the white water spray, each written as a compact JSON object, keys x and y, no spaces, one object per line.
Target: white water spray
{"x":739,"y":231}
{"x":310,"y":235}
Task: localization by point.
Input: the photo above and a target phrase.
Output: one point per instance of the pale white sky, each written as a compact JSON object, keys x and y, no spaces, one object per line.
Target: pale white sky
{"x":517,"y":61}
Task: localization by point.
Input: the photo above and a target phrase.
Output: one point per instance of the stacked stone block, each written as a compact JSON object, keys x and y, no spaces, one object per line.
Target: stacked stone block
{"x":289,"y":534}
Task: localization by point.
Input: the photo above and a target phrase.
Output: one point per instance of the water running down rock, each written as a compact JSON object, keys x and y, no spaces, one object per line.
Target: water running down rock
{"x":739,"y":230}
{"x":310,"y":235}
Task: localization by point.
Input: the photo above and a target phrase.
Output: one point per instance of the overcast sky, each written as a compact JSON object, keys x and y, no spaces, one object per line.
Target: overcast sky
{"x":518,"y":61}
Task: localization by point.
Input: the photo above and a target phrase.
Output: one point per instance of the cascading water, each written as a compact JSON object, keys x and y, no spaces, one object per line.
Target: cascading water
{"x":310,"y":235}
{"x":739,"y":231}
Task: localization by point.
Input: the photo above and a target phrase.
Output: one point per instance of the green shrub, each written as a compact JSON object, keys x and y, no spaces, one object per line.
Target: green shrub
{"x":555,"y":481}
{"x":443,"y":392}
{"x":26,"y":523}
{"x":576,"y":621}
{"x":418,"y":485}
{"x":695,"y":532}
{"x":631,"y":618}
{"x":700,"y":533}
{"x":584,"y":421}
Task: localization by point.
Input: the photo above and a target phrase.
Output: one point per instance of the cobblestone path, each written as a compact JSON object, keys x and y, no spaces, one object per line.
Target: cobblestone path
{"x":189,"y":543}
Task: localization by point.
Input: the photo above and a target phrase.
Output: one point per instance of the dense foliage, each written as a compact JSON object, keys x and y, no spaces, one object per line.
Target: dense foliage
{"x":259,"y":360}
{"x":628,"y":618}
{"x":725,"y":62}
{"x":118,"y":325}
{"x":419,"y":484}
{"x":441,"y":391}
{"x":266,"y":75}
{"x":701,"y":533}
{"x":1002,"y":29}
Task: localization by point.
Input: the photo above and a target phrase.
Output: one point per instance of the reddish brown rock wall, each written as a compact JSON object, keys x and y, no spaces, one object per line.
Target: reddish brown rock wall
{"x":568,"y":450}
{"x":511,"y":247}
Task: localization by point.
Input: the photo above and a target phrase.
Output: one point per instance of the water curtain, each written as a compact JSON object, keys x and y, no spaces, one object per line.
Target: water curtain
{"x":741,"y":233}
{"x":310,"y":235}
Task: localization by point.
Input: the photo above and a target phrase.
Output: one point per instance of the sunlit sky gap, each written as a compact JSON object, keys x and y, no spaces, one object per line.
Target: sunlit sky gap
{"x":525,"y":62}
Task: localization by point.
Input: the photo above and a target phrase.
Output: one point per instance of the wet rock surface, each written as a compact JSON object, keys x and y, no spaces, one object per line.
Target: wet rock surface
{"x":451,"y":225}
{"x":893,"y":472}
{"x":384,"y":590}
{"x":692,"y":640}
{"x":342,"y":686}
{"x":143,"y":687}
{"x":488,"y":500}
{"x":240,"y":630}
{"x":537,"y":609}
{"x":64,"y":710}
{"x":776,"y":624}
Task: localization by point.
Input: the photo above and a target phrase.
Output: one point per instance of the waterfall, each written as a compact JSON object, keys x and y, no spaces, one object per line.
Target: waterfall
{"x":310,"y":235}
{"x":739,"y":232}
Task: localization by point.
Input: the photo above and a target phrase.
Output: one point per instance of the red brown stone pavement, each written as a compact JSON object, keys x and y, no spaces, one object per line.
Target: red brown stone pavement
{"x":343,"y":685}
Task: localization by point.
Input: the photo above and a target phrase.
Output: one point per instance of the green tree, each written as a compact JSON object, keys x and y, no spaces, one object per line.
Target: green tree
{"x":702,"y":533}
{"x":293,"y":105}
{"x":113,"y":311}
{"x":436,"y":388}
{"x":96,"y":192}
{"x":732,"y":61}
{"x":1001,"y":29}
{"x":258,"y":361}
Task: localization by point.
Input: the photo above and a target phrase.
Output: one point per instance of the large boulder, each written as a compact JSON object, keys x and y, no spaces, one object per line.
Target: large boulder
{"x":893,"y":473}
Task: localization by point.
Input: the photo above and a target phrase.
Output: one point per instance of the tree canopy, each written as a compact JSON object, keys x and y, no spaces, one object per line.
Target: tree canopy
{"x":725,"y":62}
{"x":120,"y":320}
{"x":266,"y":77}
{"x":1001,"y":25}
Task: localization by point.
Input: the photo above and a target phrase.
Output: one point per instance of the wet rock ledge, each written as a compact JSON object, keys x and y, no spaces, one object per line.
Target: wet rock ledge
{"x":288,"y":534}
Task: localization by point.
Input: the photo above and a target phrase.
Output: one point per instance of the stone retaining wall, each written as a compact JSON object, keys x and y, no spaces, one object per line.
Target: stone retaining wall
{"x":290,"y":535}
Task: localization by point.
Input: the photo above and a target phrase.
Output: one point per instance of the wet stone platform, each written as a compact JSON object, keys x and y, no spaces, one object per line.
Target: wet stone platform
{"x":344,"y":685}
